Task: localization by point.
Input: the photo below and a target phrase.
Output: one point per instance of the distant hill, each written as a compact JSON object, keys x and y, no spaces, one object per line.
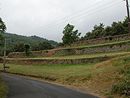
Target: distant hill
{"x":32,"y":40}
{"x":13,"y":39}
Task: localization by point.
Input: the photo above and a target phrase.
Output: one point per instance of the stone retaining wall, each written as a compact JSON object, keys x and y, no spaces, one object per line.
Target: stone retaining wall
{"x":56,"y":61}
{"x":93,"y":50}
{"x":76,"y":51}
{"x":80,"y":51}
{"x":102,"y":40}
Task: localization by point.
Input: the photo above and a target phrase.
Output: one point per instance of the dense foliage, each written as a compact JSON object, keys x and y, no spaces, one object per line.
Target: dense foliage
{"x":2,"y":26}
{"x":27,"y":49}
{"x":99,"y":31}
{"x":2,"y":29}
{"x":70,"y":35}
{"x":43,"y":46}
{"x":15,"y":43}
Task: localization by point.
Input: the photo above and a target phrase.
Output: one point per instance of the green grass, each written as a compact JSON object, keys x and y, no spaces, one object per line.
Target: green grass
{"x":3,"y":89}
{"x":123,"y":86}
{"x":52,"y":72}
{"x":106,"y":78}
{"x":83,"y":56}
{"x":98,"y":45}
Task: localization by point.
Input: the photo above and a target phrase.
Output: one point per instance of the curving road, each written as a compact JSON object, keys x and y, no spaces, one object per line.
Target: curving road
{"x":20,"y":87}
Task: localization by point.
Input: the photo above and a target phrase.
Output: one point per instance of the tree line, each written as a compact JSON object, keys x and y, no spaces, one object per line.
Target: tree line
{"x":70,"y":35}
{"x":99,"y":31}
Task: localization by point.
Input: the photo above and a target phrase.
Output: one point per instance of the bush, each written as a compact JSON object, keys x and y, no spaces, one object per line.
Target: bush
{"x":122,"y":88}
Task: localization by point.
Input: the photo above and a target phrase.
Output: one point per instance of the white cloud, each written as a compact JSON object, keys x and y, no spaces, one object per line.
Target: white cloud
{"x":47,"y":18}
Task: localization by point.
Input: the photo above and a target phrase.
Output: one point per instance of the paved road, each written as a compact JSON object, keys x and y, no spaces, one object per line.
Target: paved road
{"x":20,"y":87}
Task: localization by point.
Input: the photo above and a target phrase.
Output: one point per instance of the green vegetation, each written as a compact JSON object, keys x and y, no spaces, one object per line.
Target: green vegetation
{"x":70,"y":35}
{"x":123,"y":87}
{"x":86,"y":56}
{"x":27,"y":49}
{"x":110,"y":78}
{"x":99,"y":31}
{"x":2,"y":26}
{"x":15,"y":42}
{"x":43,"y":46}
{"x":3,"y":89}
{"x":2,"y":31}
{"x":52,"y":72}
{"x":99,"y":45}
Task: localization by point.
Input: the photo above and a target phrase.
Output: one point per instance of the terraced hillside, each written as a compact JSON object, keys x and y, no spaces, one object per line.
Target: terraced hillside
{"x":72,"y":59}
{"x":102,"y":68}
{"x":117,"y":46}
{"x":110,"y":78}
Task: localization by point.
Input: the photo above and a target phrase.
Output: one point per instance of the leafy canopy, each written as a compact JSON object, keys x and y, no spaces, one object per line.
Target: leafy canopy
{"x":2,"y":28}
{"x":70,"y":35}
{"x":99,"y":31}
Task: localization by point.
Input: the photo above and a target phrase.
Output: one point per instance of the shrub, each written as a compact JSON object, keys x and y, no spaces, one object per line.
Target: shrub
{"x":122,"y":88}
{"x":27,"y":49}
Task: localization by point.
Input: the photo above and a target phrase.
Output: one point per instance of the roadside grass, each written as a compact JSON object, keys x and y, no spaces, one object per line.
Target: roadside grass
{"x":112,"y":78}
{"x":3,"y":89}
{"x":59,"y":73}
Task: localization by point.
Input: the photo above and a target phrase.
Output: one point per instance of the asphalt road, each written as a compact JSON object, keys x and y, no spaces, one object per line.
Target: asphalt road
{"x":20,"y":87}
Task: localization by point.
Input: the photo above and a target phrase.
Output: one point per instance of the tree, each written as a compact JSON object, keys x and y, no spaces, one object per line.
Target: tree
{"x":27,"y":49}
{"x":42,"y":46}
{"x":60,"y":44}
{"x":98,"y":31}
{"x":87,"y":36}
{"x":2,"y":28}
{"x":117,"y":28}
{"x":45,"y":46}
{"x":108,"y":31}
{"x":125,"y":25}
{"x":20,"y":47}
{"x":70,"y":35}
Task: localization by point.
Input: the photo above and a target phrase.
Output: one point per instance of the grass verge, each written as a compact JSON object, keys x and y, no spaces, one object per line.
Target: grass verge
{"x":3,"y":89}
{"x":59,"y":73}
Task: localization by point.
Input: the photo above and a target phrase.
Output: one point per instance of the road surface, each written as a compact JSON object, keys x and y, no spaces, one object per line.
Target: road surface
{"x":20,"y":87}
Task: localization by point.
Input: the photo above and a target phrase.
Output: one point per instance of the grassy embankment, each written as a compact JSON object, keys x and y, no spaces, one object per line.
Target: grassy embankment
{"x":98,"y":45}
{"x":111,"y":54}
{"x":3,"y":89}
{"x":110,"y":78}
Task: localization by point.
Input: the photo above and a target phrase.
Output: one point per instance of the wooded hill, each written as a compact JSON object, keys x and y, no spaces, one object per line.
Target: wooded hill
{"x":33,"y":41}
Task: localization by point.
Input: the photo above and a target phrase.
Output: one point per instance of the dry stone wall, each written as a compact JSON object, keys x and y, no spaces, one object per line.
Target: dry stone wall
{"x":85,"y":50}
{"x":93,"y":50}
{"x":76,"y":51}
{"x":102,"y":40}
{"x":56,"y":61}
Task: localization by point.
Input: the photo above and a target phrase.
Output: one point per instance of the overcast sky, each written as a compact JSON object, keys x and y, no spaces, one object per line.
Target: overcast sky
{"x":47,"y":18}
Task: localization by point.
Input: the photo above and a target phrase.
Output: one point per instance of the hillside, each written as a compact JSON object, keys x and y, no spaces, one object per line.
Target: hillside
{"x":101,"y":68}
{"x":32,"y":40}
{"x":13,"y":39}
